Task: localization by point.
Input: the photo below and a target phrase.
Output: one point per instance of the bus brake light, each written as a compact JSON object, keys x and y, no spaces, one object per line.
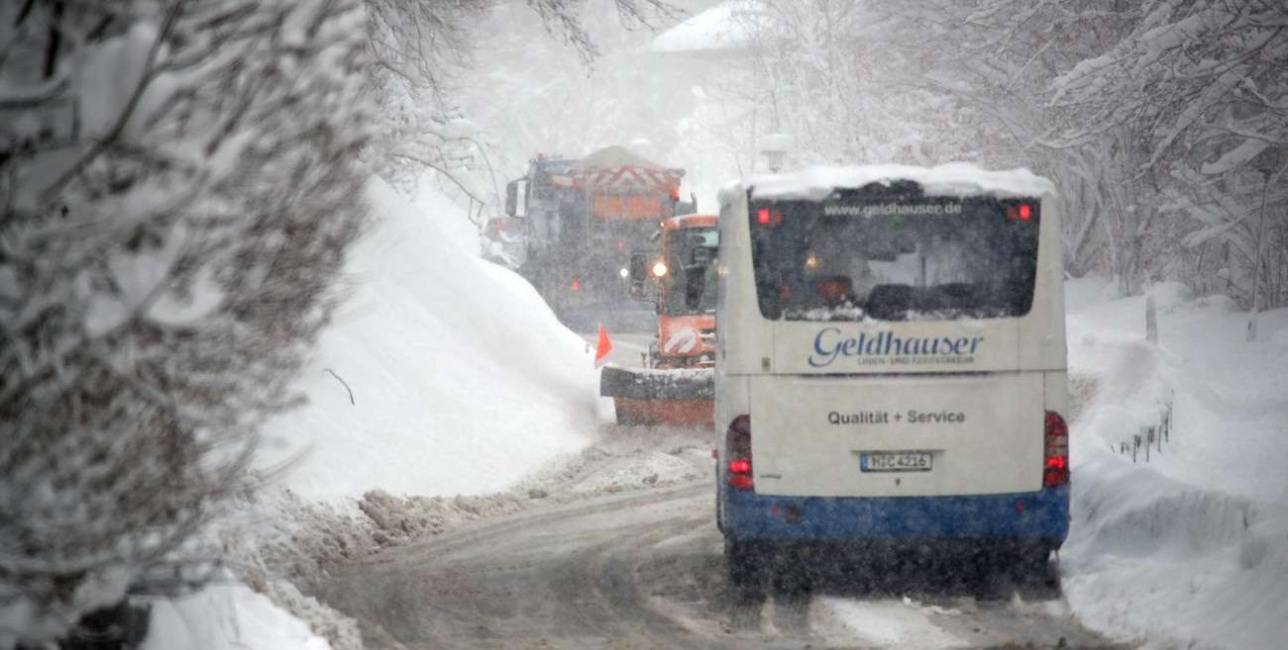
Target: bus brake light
{"x":1055,"y":468}
{"x":1021,"y":212}
{"x":738,"y":446}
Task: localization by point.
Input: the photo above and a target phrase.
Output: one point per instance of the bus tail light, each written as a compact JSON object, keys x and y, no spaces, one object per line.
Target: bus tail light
{"x":1055,"y":469}
{"x":769,"y":217}
{"x":1020,"y":212}
{"x":738,"y":444}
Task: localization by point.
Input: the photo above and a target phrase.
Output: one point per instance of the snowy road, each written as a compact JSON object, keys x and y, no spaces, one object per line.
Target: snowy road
{"x":644,"y":569}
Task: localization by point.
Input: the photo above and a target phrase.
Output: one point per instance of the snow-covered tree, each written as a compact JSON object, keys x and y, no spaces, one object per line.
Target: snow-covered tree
{"x":1206,"y":82}
{"x":1162,"y":121}
{"x":178,"y":184}
{"x":1145,"y":112}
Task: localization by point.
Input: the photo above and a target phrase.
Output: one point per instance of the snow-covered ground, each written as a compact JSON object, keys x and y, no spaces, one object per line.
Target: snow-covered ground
{"x":441,"y":374}
{"x":227,"y":617}
{"x":1189,"y":549}
{"x":961,"y":622}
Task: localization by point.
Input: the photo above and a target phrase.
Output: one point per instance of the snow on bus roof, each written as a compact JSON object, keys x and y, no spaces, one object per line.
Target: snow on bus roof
{"x":952,"y":179}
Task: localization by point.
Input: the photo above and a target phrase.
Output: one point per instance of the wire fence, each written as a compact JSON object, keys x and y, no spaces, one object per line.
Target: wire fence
{"x":1149,"y":440}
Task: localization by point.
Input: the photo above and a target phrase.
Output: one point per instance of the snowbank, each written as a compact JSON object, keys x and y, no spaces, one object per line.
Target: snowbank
{"x":1190,"y":547}
{"x":441,"y":374}
{"x":226,"y":617}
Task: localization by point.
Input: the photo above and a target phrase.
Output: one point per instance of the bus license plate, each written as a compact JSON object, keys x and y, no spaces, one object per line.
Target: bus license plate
{"x":902,"y":461}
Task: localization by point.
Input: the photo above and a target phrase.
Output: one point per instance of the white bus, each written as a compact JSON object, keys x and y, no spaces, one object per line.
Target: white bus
{"x":891,"y":364}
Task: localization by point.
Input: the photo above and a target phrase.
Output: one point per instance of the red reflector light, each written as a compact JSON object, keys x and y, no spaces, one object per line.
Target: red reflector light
{"x":740,"y":466}
{"x":793,"y":515}
{"x":1025,"y":212}
{"x":740,"y":481}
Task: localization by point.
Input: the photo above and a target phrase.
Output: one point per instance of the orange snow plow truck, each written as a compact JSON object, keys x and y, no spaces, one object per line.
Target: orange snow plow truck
{"x":580,"y":221}
{"x":675,"y":386}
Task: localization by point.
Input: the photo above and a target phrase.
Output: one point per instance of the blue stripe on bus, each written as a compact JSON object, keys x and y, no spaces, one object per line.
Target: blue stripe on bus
{"x":1042,"y":515}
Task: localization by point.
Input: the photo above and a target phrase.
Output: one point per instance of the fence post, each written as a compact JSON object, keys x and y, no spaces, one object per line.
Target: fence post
{"x":1151,"y":320}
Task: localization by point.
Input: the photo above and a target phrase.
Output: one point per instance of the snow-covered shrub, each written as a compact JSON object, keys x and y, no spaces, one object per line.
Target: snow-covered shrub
{"x":177,"y":190}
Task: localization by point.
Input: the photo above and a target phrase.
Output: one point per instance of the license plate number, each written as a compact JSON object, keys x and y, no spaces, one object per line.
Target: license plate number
{"x":903,"y":461}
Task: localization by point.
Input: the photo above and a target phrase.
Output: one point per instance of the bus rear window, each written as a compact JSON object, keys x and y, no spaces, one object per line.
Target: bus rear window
{"x":930,"y":259}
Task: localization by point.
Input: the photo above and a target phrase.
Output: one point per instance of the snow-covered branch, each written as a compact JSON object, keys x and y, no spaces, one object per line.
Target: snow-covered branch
{"x":167,"y":248}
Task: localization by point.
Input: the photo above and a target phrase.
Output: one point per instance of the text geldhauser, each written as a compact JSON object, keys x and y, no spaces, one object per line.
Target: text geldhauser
{"x":830,"y":344}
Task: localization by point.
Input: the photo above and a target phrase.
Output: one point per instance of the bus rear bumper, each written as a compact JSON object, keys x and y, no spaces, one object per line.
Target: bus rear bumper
{"x":1029,"y":517}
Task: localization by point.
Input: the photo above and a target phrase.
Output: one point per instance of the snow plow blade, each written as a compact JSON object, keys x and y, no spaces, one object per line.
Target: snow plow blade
{"x":671,"y":396}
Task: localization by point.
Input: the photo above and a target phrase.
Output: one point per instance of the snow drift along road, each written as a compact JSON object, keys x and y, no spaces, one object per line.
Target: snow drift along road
{"x":227,"y":617}
{"x":1191,"y":547}
{"x":462,"y":379}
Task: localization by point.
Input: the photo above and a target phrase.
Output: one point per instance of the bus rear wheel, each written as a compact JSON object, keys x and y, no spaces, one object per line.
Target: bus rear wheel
{"x":1038,"y":567}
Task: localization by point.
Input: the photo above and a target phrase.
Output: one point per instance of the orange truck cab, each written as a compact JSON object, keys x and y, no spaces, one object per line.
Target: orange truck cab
{"x":686,"y":295}
{"x":675,"y":386}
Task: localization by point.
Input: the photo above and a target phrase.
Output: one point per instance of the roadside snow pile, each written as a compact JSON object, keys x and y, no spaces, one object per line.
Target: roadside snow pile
{"x":226,"y":617}
{"x":301,"y":538}
{"x":283,"y":543}
{"x":1189,"y":543}
{"x":643,"y":467}
{"x":441,"y":374}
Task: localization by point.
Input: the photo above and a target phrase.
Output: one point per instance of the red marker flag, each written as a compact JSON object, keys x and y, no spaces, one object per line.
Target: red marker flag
{"x":603,"y":347}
